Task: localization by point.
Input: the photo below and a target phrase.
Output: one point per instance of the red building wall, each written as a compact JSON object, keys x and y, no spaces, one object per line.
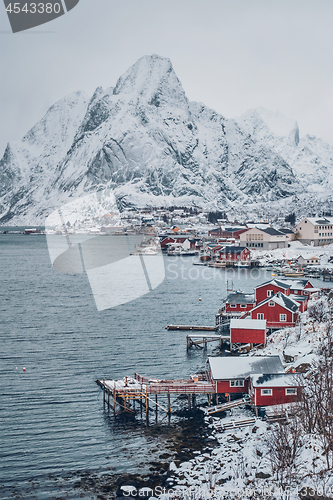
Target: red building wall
{"x":261,"y":293}
{"x":238,"y":307}
{"x":278,"y":397}
{"x":235,"y":257}
{"x":272,"y":315}
{"x":223,"y":386}
{"x":246,"y":336}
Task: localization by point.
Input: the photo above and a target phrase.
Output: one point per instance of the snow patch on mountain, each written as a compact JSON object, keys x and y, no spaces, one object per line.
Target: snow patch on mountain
{"x":149,"y":145}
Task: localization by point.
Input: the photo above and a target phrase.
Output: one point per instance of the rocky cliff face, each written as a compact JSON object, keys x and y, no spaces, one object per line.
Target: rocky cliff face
{"x":145,"y":141}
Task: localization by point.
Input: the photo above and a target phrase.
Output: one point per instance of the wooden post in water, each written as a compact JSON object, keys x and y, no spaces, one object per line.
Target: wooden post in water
{"x":187,"y":343}
{"x":103,"y":391}
{"x":194,"y":401}
{"x":209,"y":400}
{"x":189,"y":401}
{"x":169,"y":403}
{"x":216,"y":398}
{"x":115,"y":399}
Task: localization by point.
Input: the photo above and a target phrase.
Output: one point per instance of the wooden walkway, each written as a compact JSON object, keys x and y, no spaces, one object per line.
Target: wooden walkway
{"x":201,"y":340}
{"x":234,"y":424}
{"x":195,"y":328}
{"x":227,"y":406}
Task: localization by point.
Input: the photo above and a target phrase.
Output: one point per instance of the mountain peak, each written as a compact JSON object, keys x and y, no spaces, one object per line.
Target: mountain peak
{"x":151,"y":77}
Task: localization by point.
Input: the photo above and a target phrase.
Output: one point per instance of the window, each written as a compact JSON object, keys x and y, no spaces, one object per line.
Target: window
{"x":260,"y":316}
{"x":232,"y":305}
{"x":305,"y":292}
{"x":266,"y":392}
{"x":291,"y":392}
{"x":236,"y":383}
{"x":271,"y":303}
{"x":283,"y":317}
{"x":243,"y":305}
{"x":270,"y":293}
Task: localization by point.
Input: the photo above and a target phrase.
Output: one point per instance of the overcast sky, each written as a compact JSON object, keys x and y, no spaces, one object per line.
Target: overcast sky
{"x":232,"y":55}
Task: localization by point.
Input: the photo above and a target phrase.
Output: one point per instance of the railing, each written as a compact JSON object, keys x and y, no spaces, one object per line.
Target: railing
{"x":186,"y":388}
{"x":154,"y":386}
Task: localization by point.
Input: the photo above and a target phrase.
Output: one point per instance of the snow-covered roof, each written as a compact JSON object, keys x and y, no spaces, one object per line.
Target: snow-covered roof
{"x":274,"y":380}
{"x":279,"y":283}
{"x":298,"y":284}
{"x":233,"y":250}
{"x":249,"y":324}
{"x":240,"y":298}
{"x":320,"y":221}
{"x":282,"y":300}
{"x":299,"y":298}
{"x":229,"y":367}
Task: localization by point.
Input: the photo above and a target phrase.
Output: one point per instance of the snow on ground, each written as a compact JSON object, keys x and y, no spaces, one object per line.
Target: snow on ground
{"x":239,"y":466}
{"x":294,"y":251}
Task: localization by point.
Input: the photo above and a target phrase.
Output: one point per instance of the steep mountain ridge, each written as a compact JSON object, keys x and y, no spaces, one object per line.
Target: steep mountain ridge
{"x":145,"y":141}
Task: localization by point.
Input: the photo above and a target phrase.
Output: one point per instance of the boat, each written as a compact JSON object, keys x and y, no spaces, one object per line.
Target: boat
{"x":293,"y":274}
{"x":242,"y":264}
{"x":219,"y":264}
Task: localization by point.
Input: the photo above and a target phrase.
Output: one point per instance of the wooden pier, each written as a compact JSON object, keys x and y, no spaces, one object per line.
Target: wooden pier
{"x":120,"y":395}
{"x":195,"y":328}
{"x":201,"y":340}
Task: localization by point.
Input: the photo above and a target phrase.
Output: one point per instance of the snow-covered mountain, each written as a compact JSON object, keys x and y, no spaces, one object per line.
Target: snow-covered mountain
{"x":145,"y":141}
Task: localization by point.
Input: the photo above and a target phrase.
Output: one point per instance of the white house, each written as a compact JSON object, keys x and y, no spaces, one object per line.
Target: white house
{"x":315,"y":231}
{"x":266,"y":239}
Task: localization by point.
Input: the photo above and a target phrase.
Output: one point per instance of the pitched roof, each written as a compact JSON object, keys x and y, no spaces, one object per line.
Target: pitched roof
{"x":319,"y":221}
{"x":282,"y":300}
{"x":240,"y":298}
{"x":248,"y":324}
{"x":272,"y":231}
{"x":279,"y":283}
{"x":274,"y":380}
{"x":229,"y":367}
{"x":233,"y":249}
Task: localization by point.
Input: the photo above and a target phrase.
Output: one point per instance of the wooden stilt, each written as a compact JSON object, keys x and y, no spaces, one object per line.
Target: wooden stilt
{"x":189,"y":401}
{"x":169,"y":404}
{"x":194,"y":401}
{"x":216,"y":398}
{"x":209,"y":400}
{"x":103,"y":391}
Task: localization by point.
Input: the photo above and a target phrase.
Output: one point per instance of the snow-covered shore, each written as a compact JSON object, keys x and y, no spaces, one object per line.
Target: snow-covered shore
{"x":240,"y":465}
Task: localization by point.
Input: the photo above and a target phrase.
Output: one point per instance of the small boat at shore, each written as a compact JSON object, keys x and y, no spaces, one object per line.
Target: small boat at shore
{"x":293,"y":274}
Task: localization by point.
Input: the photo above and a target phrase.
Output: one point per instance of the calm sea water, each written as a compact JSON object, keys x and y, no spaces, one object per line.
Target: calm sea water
{"x":52,"y":417}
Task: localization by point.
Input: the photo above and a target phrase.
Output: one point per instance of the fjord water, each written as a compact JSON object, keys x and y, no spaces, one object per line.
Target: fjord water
{"x":52,"y":415}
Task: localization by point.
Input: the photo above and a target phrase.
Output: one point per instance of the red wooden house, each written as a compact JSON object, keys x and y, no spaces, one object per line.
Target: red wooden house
{"x":269,"y":288}
{"x":231,"y":375}
{"x":248,"y":331}
{"x":274,"y":389}
{"x":240,"y":302}
{"x":228,"y":232}
{"x":279,"y":311}
{"x":236,"y":304}
{"x":235,"y":254}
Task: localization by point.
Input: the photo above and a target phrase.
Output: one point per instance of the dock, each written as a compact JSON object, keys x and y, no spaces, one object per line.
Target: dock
{"x":201,"y":340}
{"x":122,"y":394}
{"x":195,"y":328}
